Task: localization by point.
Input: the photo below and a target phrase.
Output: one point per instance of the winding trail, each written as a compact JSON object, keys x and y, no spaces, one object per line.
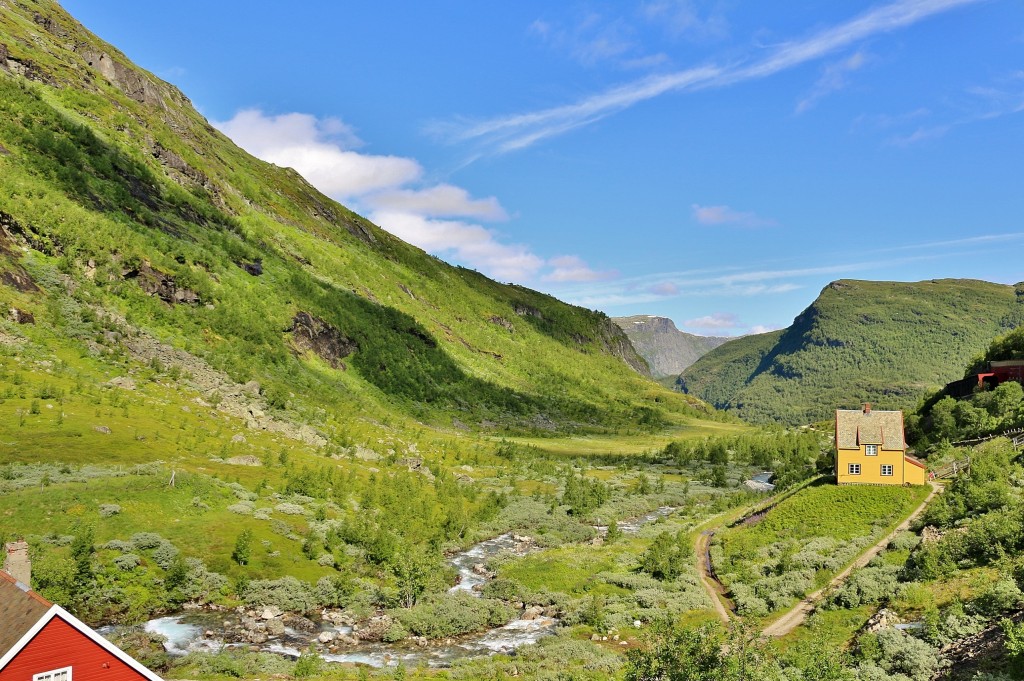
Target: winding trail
{"x":796,"y":616}
{"x":704,"y":570}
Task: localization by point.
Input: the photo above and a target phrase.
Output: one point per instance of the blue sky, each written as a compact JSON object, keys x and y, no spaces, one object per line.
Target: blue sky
{"x":713,"y":162}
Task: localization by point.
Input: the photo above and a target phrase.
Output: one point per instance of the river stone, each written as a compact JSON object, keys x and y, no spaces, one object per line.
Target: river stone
{"x":325,"y":636}
{"x":275,"y":627}
{"x":270,"y":612}
{"x":532,"y":613}
{"x":301,"y":623}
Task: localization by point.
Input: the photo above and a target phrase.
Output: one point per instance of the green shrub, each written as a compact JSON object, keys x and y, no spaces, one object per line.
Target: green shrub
{"x":452,"y":615}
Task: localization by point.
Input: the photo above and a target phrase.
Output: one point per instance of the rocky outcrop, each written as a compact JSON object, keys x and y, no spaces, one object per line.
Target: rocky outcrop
{"x":312,"y":334}
{"x":667,"y":349}
{"x":239,"y":400}
{"x":131,"y":82}
{"x":616,"y":343}
{"x":19,"y":316}
{"x":162,"y":285}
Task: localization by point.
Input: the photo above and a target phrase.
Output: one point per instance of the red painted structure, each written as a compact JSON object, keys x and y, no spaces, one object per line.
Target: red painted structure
{"x":996,"y":373}
{"x":60,"y":644}
{"x":39,"y":637}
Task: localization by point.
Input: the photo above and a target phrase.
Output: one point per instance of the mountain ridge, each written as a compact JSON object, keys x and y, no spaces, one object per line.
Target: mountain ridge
{"x":667,"y":350}
{"x":859,"y":341}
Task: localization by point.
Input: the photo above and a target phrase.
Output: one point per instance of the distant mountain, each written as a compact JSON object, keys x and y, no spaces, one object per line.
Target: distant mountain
{"x":667,"y":349}
{"x":860,"y":341}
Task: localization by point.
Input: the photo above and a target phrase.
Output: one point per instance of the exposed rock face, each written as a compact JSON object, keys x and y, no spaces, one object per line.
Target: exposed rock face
{"x":312,"y":334}
{"x":502,"y":322}
{"x":617,"y":344}
{"x":177,"y":168}
{"x":162,"y":285}
{"x":129,"y":81}
{"x":19,"y":316}
{"x":667,"y":349}
{"x":255,"y":268}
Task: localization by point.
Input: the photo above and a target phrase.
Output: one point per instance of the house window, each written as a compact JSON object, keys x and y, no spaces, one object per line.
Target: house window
{"x":854,"y":469}
{"x":871,"y":450}
{"x":62,"y":674}
{"x":886,"y":469}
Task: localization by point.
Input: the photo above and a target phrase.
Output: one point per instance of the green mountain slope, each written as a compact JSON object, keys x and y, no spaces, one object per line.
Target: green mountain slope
{"x":880,"y":342}
{"x":123,"y":211}
{"x":667,"y":349}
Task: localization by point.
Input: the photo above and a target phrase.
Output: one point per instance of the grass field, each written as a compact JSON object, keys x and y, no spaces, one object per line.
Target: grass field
{"x":805,"y":540}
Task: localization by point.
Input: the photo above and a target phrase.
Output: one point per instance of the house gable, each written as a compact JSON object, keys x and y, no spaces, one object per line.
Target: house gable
{"x":37,"y":636}
{"x":63,"y":641}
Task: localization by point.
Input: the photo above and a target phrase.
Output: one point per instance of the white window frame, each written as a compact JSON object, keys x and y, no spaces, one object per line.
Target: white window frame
{"x":54,"y":675}
{"x":890,"y":467}
{"x":851,"y":469}
{"x":870,"y":450}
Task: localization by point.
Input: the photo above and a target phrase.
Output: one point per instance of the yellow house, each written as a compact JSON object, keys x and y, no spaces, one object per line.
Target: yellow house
{"x":871,"y":449}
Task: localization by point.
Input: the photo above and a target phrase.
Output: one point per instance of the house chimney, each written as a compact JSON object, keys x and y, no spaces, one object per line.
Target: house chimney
{"x":867,"y":408}
{"x":16,"y":562}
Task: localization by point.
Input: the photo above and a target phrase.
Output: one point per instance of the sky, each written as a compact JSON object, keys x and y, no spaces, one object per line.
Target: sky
{"x":715,"y":162}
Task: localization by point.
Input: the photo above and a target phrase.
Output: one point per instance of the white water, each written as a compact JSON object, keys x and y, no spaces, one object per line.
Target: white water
{"x":185,"y":632}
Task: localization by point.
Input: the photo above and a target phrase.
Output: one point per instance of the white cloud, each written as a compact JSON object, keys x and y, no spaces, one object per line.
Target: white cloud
{"x":664,"y":288}
{"x":509,"y":133}
{"x":443,"y":200}
{"x":761,"y":328}
{"x":590,"y":40}
{"x":316,"y":150}
{"x":569,"y":268}
{"x":716,"y":321}
{"x":682,"y":18}
{"x":467,"y":242}
{"x":319,"y":150}
{"x":724,"y":215}
{"x":833,"y":78}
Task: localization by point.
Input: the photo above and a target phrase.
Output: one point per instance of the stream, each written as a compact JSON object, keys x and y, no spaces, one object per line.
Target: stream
{"x":201,"y":630}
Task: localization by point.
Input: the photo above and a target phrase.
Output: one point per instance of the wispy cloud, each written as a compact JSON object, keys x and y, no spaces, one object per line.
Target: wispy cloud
{"x":834,"y":77}
{"x":322,"y":150}
{"x":508,"y":133}
{"x":763,"y":281}
{"x":724,"y":215}
{"x":714,"y":322}
{"x":569,"y":268}
{"x":979,"y":103}
{"x":683,"y":19}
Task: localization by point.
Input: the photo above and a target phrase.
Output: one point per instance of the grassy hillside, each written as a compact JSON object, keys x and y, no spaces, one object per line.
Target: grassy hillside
{"x":881,"y":342}
{"x":667,"y":349}
{"x":119,"y":201}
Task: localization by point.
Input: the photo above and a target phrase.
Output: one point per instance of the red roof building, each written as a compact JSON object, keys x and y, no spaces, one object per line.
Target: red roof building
{"x":40,"y":641}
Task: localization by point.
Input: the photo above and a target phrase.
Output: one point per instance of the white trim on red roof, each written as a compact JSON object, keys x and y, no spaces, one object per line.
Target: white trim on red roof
{"x":85,"y":630}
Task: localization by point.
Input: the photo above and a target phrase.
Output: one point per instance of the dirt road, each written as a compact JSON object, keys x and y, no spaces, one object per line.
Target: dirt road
{"x":795,"y":617}
{"x":714,"y":589}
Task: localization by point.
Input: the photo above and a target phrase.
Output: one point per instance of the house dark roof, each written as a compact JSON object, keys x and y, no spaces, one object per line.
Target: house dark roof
{"x":20,"y":608}
{"x":855,"y":427}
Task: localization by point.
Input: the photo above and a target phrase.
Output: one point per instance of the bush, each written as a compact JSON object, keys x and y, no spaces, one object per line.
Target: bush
{"x":242,"y":508}
{"x":164,"y":554}
{"x":146,"y":540}
{"x":127,"y":561}
{"x":108,"y":510}
{"x":453,"y":615}
{"x":287,"y":593}
{"x":1001,"y":596}
{"x":893,"y":652}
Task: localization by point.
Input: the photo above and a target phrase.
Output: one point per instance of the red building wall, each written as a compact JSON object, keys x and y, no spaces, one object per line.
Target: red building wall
{"x":58,"y":644}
